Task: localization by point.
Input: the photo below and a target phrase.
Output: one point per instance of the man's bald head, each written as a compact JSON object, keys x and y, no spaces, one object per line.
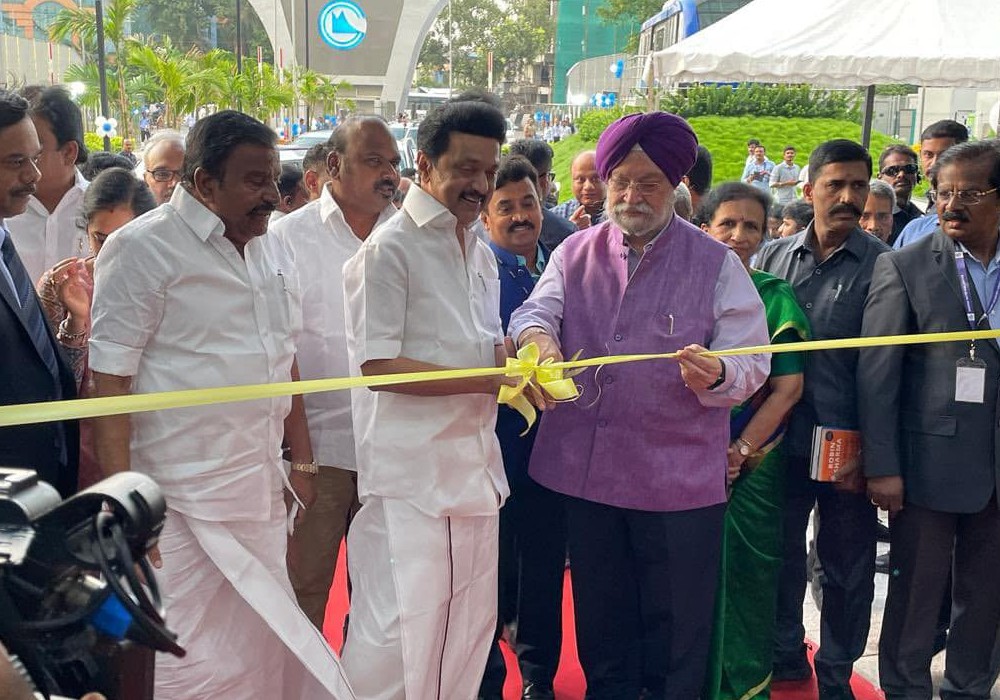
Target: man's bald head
{"x":584,"y":159}
{"x":364,"y":165}
{"x":588,"y":189}
{"x":163,"y":162}
{"x":348,"y":131}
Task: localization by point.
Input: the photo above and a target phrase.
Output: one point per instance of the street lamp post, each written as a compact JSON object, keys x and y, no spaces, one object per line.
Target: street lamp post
{"x":102,"y":73}
{"x":451,"y":56}
{"x":239,"y":36}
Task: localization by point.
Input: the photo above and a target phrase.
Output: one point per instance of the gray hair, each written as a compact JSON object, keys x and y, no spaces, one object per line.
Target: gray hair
{"x":162,"y":136}
{"x":882,"y":190}
{"x":683,"y":206}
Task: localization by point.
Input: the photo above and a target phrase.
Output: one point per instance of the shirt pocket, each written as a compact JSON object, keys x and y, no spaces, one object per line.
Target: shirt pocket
{"x":489,"y":301}
{"x":287,"y":298}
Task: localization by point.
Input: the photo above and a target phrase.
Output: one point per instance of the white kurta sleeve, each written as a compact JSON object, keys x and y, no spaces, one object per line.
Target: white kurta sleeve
{"x":127,"y":305}
{"x":375,"y":296}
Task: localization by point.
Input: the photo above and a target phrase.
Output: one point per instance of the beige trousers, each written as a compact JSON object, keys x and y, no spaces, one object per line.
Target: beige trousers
{"x":313,"y":549}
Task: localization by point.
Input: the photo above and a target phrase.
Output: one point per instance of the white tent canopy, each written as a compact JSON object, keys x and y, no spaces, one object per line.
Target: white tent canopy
{"x":844,"y":43}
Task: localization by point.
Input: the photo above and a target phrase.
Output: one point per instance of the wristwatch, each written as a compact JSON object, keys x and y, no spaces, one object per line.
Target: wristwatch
{"x":722,"y":376}
{"x":746,"y":447}
{"x":306,"y":467}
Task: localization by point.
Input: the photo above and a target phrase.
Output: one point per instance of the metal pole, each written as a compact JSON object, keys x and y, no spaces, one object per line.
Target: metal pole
{"x":866,"y":125}
{"x":451,"y":56}
{"x":239,"y":36}
{"x":305,"y":35}
{"x":102,"y":73}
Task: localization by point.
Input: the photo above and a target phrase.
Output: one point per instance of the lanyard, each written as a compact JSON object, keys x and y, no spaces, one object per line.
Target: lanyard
{"x":963,"y":280}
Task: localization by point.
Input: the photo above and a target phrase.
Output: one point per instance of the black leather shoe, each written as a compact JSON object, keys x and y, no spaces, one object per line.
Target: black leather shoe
{"x":791,"y":670}
{"x":537,"y":691}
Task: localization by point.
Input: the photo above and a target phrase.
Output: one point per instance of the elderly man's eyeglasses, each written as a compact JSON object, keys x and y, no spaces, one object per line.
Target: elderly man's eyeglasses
{"x":967,"y":197}
{"x":894,"y":170}
{"x":622,"y":185}
{"x":165,"y":174}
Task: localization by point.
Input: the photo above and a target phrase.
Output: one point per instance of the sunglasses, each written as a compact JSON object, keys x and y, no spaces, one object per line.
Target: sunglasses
{"x":894,"y":170}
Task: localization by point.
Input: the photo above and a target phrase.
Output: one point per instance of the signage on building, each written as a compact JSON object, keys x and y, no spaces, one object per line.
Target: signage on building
{"x":342,"y":24}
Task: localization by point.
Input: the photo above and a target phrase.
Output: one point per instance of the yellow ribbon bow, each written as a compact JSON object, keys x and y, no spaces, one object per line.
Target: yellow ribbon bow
{"x":538,"y":375}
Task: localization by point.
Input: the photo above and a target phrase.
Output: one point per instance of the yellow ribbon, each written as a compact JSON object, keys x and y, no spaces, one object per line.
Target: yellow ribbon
{"x":544,"y":374}
{"x":541,"y":376}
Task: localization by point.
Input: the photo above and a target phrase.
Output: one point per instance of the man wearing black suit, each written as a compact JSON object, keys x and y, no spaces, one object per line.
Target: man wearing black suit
{"x":929,"y":429}
{"x":31,"y":365}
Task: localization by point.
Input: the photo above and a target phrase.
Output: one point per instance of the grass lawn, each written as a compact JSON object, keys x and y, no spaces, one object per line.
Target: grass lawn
{"x":726,"y":138}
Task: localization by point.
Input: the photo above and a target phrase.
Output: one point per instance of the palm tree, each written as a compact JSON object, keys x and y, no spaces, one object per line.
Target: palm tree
{"x":170,"y":74}
{"x":78,"y":26}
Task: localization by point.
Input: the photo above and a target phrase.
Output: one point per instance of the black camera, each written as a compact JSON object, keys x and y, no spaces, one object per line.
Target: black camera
{"x":75,"y":586}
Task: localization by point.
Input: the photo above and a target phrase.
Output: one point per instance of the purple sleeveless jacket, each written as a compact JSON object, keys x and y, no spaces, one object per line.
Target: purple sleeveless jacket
{"x":637,"y":437}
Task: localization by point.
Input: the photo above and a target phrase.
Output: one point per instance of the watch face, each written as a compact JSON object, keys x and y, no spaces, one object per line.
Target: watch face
{"x":744,"y":450}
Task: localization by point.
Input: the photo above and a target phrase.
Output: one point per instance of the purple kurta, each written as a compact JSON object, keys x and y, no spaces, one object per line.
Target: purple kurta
{"x":637,"y":437}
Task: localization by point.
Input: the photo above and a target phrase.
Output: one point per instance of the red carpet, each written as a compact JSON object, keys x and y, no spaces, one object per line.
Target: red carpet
{"x":569,"y":684}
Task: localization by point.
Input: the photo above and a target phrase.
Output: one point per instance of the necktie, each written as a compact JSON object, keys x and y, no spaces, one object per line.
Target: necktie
{"x":31,"y":312}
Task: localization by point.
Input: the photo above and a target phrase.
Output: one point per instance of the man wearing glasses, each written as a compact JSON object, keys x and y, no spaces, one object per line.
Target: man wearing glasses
{"x":929,"y":431}
{"x":555,"y":228}
{"x":641,"y":458}
{"x":898,"y":166}
{"x":162,"y":158}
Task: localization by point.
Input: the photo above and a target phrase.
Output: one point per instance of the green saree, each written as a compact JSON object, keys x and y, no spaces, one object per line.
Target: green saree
{"x":739,"y":666}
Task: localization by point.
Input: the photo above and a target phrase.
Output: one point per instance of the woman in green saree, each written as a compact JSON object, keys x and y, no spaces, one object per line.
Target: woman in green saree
{"x":743,"y":637}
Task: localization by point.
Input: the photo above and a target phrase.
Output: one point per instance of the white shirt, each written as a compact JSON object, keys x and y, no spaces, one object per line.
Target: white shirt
{"x":319,"y":241}
{"x":410,"y":293}
{"x":176,"y":307}
{"x":44,"y":239}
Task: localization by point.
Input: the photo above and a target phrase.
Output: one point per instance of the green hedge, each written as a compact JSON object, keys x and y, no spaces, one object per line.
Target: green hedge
{"x":95,"y":142}
{"x":759,"y":100}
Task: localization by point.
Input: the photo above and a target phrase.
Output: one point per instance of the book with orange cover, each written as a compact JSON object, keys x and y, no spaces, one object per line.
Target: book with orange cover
{"x":832,"y":449}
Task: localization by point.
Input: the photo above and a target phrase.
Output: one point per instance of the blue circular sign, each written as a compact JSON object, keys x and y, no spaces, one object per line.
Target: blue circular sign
{"x":342,"y":24}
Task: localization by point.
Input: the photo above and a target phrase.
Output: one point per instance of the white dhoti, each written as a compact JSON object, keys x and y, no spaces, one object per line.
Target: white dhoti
{"x":424,"y":604}
{"x":227,"y":595}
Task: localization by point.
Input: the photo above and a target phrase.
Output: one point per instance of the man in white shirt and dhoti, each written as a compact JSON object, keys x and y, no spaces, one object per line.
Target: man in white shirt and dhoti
{"x":319,"y":238}
{"x":422,"y":294}
{"x":186,"y":297}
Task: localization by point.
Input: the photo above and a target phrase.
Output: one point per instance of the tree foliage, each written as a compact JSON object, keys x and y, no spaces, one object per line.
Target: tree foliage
{"x":77,"y":25}
{"x":182,"y":77}
{"x":187,"y":23}
{"x":517,"y":36}
{"x":628,"y":13}
{"x":756,"y":99}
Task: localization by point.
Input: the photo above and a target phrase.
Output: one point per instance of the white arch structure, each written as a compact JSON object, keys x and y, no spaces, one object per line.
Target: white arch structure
{"x":380,"y":68}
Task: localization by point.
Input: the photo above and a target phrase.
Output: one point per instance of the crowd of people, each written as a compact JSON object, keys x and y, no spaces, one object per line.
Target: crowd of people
{"x":679,"y":490}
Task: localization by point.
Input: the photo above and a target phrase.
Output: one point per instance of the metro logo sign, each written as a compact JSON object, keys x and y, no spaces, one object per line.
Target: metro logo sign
{"x":342,"y":24}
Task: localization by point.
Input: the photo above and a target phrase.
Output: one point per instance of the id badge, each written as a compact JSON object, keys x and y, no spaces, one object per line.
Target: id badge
{"x":970,"y":380}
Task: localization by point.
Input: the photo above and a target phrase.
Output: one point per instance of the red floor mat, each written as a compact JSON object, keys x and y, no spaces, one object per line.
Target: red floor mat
{"x":569,"y":683}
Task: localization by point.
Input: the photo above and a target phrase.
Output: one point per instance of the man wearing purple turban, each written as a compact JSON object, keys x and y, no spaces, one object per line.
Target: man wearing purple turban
{"x":641,"y":456}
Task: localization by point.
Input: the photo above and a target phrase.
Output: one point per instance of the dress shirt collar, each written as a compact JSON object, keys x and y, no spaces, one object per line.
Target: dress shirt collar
{"x":329,"y":208}
{"x":855,"y":244}
{"x":80,"y":184}
{"x":958,"y":246}
{"x":196,"y":215}
{"x":424,"y":210}
{"x":508,"y":259}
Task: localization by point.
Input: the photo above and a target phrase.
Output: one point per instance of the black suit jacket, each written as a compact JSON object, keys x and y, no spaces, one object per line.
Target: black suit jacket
{"x":24,"y":378}
{"x":911,"y":424}
{"x":555,"y":229}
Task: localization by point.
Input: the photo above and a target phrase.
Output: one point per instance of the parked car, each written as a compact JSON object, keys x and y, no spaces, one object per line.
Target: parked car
{"x":296,"y":151}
